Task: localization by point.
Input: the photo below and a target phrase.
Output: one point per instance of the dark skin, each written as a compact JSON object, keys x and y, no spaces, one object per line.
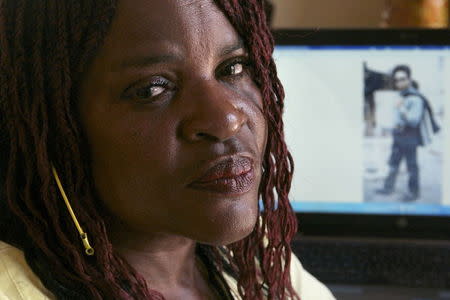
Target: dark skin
{"x":168,"y":92}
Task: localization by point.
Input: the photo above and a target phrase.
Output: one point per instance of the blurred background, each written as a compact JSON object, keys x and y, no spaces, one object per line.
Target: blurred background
{"x":360,"y":13}
{"x":390,"y":260}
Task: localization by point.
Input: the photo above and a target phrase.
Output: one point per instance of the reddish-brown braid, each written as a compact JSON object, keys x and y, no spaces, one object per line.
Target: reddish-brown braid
{"x":278,"y":221}
{"x":45,"y":48}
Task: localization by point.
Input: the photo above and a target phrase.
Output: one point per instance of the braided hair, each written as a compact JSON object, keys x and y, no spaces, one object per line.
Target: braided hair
{"x":45,"y":49}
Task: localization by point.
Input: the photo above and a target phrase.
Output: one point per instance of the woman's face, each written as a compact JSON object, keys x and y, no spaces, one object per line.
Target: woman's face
{"x":167,"y":97}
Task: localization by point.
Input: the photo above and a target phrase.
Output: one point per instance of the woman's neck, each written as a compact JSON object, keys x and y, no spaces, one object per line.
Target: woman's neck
{"x":167,"y":262}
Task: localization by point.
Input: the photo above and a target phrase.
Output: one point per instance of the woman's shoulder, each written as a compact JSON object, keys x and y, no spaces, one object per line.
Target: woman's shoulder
{"x":17,"y":280}
{"x":306,"y":285}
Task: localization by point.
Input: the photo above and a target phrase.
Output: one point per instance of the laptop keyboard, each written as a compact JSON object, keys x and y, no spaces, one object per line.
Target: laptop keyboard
{"x":378,"y":292}
{"x":408,"y":263}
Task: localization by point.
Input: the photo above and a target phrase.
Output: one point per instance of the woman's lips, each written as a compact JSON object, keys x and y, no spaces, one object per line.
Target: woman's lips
{"x":230,"y":175}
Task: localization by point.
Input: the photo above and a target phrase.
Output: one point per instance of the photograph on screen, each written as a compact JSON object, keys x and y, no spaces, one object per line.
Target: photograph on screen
{"x":367,"y":128}
{"x":403,"y":118}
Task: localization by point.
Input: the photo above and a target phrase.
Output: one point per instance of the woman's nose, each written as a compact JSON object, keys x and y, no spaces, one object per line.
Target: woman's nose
{"x":214,"y":114}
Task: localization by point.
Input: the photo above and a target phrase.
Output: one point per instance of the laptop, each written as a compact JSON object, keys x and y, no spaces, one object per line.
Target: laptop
{"x":367,"y":120}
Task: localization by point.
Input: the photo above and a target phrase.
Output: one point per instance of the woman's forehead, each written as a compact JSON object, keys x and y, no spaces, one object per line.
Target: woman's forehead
{"x":141,"y":25}
{"x":168,"y":12}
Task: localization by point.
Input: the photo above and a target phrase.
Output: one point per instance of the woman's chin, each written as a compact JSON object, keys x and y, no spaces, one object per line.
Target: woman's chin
{"x":221,"y":233}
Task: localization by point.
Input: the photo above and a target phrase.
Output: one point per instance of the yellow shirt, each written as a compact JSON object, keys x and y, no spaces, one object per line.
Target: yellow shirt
{"x":18,"y":282}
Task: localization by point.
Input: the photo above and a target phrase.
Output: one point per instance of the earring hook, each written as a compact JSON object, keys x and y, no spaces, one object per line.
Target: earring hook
{"x":88,"y":249}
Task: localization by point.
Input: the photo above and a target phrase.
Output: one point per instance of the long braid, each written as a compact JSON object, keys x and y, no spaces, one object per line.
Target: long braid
{"x":279,"y":223}
{"x":45,"y":48}
{"x":37,"y":105}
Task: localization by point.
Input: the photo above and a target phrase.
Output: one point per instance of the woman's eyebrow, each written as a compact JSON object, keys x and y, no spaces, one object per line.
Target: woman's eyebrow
{"x":231,"y":48}
{"x":141,"y":61}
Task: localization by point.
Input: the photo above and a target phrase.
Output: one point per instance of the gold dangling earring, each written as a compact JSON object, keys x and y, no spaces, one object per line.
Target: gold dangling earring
{"x":88,"y":249}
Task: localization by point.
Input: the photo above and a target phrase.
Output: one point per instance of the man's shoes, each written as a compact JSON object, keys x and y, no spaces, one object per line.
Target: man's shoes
{"x":410,"y":197}
{"x":384,"y":191}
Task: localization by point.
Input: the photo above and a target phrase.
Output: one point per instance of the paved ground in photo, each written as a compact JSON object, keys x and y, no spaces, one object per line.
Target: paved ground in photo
{"x":430,"y":160}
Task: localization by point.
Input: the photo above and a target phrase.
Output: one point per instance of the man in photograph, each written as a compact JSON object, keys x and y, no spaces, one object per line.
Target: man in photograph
{"x":408,"y":133}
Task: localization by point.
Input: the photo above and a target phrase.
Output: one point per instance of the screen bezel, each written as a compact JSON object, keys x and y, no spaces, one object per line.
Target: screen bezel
{"x":357,"y":224}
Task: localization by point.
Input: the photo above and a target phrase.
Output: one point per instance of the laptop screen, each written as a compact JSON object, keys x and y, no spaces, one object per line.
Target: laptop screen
{"x":368,"y":128}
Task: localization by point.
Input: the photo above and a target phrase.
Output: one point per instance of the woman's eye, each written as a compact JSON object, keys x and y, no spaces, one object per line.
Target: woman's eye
{"x":236,"y":67}
{"x":148,"y":90}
